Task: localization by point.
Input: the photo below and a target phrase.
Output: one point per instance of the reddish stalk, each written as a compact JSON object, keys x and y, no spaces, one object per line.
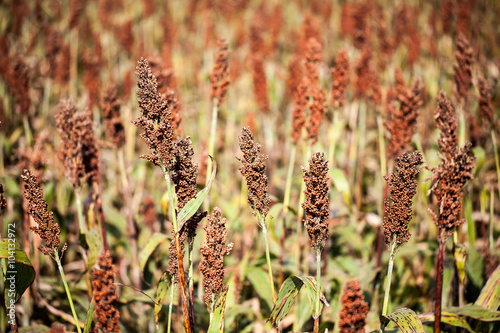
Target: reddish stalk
{"x":439,"y":287}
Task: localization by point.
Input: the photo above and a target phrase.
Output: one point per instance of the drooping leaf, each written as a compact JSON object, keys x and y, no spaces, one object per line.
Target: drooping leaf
{"x":460,"y":257}
{"x":288,"y":291}
{"x":476,"y":312}
{"x":149,"y":247}
{"x":489,"y":298}
{"x":406,"y":319}
{"x":161,"y":292}
{"x":192,"y":206}
{"x":217,"y":322}
{"x":447,"y":318}
{"x":17,"y":268}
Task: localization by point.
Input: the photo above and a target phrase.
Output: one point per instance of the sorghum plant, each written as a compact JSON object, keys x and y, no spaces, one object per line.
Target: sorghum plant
{"x":3,"y":201}
{"x":354,"y":309}
{"x":254,"y":171}
{"x":398,"y":209}
{"x":212,"y":265}
{"x":316,"y":208}
{"x":105,"y":295}
{"x":463,"y":68}
{"x":47,"y":229}
{"x":454,"y":170}
{"x":340,"y":75}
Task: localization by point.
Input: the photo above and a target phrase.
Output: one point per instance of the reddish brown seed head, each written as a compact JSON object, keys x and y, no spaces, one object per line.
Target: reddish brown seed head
{"x":111,"y":107}
{"x":317,"y":112}
{"x":462,"y":68}
{"x":340,"y":74}
{"x":220,"y":73}
{"x":354,"y":309}
{"x":105,"y":296}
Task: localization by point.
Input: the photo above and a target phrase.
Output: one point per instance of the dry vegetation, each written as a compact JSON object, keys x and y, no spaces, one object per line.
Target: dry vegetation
{"x":191,"y":165}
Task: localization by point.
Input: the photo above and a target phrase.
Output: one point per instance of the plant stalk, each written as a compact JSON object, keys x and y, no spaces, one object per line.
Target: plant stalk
{"x":211,"y":140}
{"x":79,"y":209}
{"x":439,"y":285}
{"x":169,"y":322}
{"x":268,"y":257}
{"x":318,"y":290}
{"x":66,"y":288}
{"x":389,"y":277}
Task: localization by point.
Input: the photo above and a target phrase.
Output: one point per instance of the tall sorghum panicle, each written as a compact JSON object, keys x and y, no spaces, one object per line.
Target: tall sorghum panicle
{"x":454,"y":170}
{"x":463,"y":68}
{"x":299,"y":110}
{"x":47,"y":229}
{"x":219,"y":77}
{"x":111,"y":107}
{"x":398,"y":209}
{"x":105,"y":295}
{"x":254,"y":171}
{"x":485,"y":107}
{"x":354,"y":309}
{"x":313,"y":55}
{"x":258,"y":72}
{"x":294,"y":75}
{"x":317,"y":111}
{"x":212,"y":265}
{"x":317,"y":200}
{"x":340,"y":75}
{"x":155,"y":120}
{"x":79,"y":152}
{"x":401,"y":122}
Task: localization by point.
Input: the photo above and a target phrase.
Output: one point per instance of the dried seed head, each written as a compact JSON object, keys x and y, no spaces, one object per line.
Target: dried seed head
{"x":485,"y":107}
{"x":111,"y":107}
{"x":260,"y":82}
{"x":294,"y":75}
{"x":340,"y":75}
{"x":105,"y":296}
{"x":313,"y":55}
{"x":155,"y":120}
{"x":354,"y":309}
{"x":454,"y":170}
{"x":317,"y":202}
{"x":398,"y":209}
{"x":47,"y":229}
{"x":220,"y":73}
{"x":301,"y":98}
{"x":463,"y":68}
{"x":213,"y":250}
{"x":79,"y":152}
{"x":317,"y":112}
{"x":254,"y":171}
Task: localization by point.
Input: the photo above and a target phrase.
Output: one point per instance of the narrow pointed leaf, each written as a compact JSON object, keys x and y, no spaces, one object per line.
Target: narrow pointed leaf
{"x":447,"y":318}
{"x":149,"y":247}
{"x":406,"y":319}
{"x":260,"y":282}
{"x":89,"y":317}
{"x":18,"y":270}
{"x":341,"y":184}
{"x":161,"y":292}
{"x":192,"y":206}
{"x":93,"y":241}
{"x":489,"y":298}
{"x":217,"y":322}
{"x":476,"y":312}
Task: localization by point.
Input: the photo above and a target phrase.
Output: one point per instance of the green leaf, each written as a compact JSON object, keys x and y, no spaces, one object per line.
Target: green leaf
{"x":17,"y":268}
{"x":489,"y":298}
{"x":341,"y":184}
{"x":260,"y":281}
{"x":94,"y":242}
{"x":447,"y":318}
{"x":161,"y":292}
{"x":217,"y":322}
{"x":405,"y":318}
{"x":288,"y":291}
{"x":192,"y":206}
{"x":88,"y":318}
{"x":149,"y":247}
{"x":460,"y":258}
{"x":476,"y":312}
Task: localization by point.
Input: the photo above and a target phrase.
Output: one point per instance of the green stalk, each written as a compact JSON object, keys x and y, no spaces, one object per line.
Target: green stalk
{"x":490,"y":224}
{"x":389,"y":277}
{"x":288,"y":186}
{"x":66,"y":288}
{"x":169,"y":322}
{"x":211,"y":140}
{"x":381,"y":145}
{"x":318,"y":290}
{"x":268,"y":256}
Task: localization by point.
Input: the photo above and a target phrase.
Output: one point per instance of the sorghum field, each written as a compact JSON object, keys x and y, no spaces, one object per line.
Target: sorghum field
{"x":249,"y":166}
